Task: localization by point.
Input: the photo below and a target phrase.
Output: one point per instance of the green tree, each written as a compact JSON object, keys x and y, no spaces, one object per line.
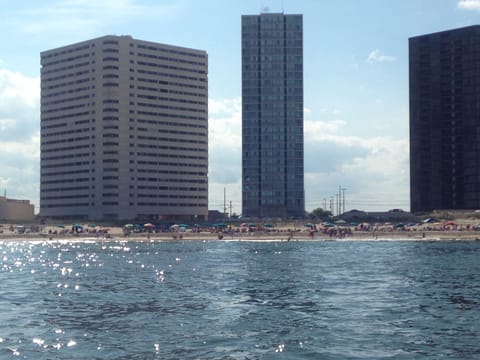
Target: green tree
{"x":319,"y":213}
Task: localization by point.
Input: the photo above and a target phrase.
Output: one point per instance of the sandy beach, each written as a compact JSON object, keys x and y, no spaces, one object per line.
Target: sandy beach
{"x":463,"y":232}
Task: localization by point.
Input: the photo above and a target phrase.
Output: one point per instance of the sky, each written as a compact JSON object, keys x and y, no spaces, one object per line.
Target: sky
{"x":355,"y":84}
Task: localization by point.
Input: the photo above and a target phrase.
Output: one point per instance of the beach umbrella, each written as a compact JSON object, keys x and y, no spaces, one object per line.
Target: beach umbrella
{"x":244,"y":225}
{"x":340,"y":221}
{"x":268,"y":225}
{"x":128,"y":226}
{"x":174,"y":226}
{"x":77,"y":228}
{"x":183,"y":225}
{"x":60,"y":226}
{"x":252,"y":225}
{"x":92,"y":225}
{"x":148,"y":225}
{"x":308,"y":225}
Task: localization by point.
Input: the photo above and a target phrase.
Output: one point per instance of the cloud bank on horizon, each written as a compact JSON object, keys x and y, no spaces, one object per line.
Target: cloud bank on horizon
{"x":362,"y":165}
{"x":374,"y":170}
{"x":19,"y":135}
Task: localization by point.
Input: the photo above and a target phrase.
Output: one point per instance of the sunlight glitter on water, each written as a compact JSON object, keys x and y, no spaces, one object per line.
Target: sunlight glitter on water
{"x":239,"y":300}
{"x":71,"y":343}
{"x":38,"y":341}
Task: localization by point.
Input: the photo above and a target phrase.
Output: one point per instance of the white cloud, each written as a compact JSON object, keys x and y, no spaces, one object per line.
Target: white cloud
{"x":325,"y":111}
{"x":374,"y":170}
{"x":376,"y":56}
{"x":225,"y":124}
{"x":7,"y":124}
{"x":19,"y":164}
{"x":16,"y":88}
{"x":19,"y":135}
{"x":225,"y":152}
{"x":217,"y":108}
{"x":19,"y":105}
{"x":469,"y":4}
{"x":322,"y":130}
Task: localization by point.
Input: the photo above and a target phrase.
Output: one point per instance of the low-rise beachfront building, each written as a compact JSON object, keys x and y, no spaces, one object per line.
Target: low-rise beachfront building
{"x":16,"y":210}
{"x":395,"y":215}
{"x":124,"y":131}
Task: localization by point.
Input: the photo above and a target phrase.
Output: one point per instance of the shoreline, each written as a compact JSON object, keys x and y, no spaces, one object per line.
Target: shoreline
{"x":242,"y":237}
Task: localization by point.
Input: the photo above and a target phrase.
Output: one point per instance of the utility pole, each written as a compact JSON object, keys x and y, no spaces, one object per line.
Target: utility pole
{"x":343,"y":192}
{"x":224,"y":201}
{"x":337,"y":202}
{"x":230,"y":208}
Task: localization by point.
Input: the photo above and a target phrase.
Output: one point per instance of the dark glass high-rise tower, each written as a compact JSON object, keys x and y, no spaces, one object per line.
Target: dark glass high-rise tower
{"x":445,"y":120}
{"x":272,"y":116}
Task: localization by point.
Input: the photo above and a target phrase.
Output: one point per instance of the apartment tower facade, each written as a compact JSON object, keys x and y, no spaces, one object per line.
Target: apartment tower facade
{"x":272,"y":116}
{"x":124,"y":131}
{"x":445,"y":120}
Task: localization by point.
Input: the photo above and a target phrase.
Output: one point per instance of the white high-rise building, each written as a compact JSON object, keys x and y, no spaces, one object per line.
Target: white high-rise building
{"x":124,"y":131}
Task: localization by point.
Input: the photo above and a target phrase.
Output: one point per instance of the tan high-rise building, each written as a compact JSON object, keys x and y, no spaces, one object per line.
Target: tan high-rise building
{"x":124,"y":131}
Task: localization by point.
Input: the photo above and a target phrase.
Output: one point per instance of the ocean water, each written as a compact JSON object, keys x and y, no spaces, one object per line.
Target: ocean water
{"x":240,"y":300}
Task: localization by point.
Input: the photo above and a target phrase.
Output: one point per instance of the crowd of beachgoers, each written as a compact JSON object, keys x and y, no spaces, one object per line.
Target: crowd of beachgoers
{"x":288,"y":231}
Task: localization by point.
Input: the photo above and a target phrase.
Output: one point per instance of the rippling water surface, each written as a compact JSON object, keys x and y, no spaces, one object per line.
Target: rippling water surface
{"x":240,"y":300}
